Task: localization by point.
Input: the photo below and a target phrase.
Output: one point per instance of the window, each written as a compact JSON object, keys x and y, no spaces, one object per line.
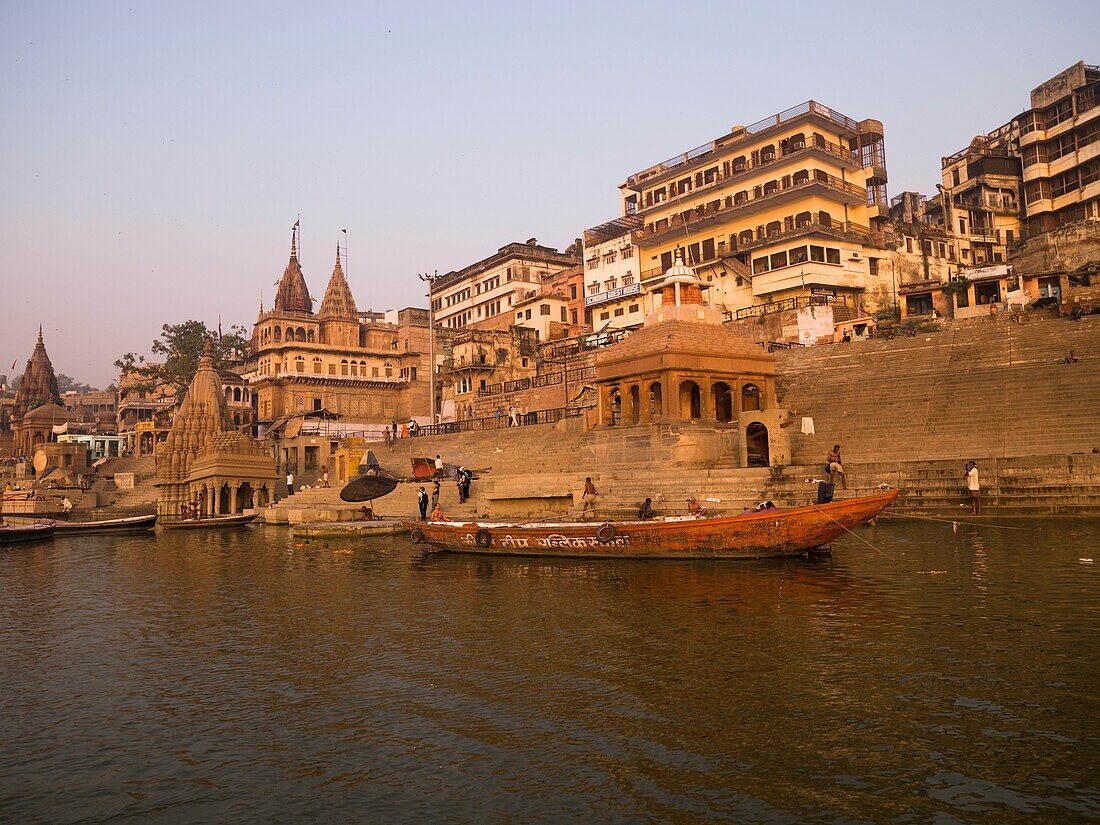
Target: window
{"x":572,"y":292}
{"x":872,"y":265}
{"x":799,"y":255}
{"x":604,"y":316}
{"x":759,"y":265}
{"x":632,"y":308}
{"x":317,"y":366}
{"x":593,"y":263}
{"x":832,"y":256}
{"x":628,"y":279}
{"x":778,"y":260}
{"x":909,"y":245}
{"x":619,"y":312}
{"x":519,"y":316}
{"x":527,"y":315}
{"x":564,"y":315}
{"x":544,"y":309}
{"x":628,"y":252}
{"x":708,"y":249}
{"x":593,"y":288}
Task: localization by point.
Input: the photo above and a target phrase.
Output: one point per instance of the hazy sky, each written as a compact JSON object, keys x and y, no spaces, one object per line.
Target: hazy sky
{"x":154,"y":156}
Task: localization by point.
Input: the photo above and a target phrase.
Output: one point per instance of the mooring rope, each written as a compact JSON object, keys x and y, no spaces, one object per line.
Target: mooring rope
{"x":830,"y":518}
{"x":953,"y":522}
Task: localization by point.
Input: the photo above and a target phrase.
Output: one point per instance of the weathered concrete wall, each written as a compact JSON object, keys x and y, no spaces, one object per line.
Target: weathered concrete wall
{"x":1063,"y":250}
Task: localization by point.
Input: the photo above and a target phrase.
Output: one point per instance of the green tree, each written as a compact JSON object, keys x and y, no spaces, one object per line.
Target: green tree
{"x":65,"y":384}
{"x":178,"y":351}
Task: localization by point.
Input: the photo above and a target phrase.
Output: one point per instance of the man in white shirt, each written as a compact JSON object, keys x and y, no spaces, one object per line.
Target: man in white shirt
{"x":973,"y":486}
{"x":290,"y":483}
{"x":438,"y":466}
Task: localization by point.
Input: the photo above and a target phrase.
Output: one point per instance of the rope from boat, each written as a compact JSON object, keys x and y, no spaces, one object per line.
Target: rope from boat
{"x":953,"y":522}
{"x":834,"y":521}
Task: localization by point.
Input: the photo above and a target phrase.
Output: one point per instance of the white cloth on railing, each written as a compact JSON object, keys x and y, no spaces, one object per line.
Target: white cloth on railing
{"x":807,"y":425}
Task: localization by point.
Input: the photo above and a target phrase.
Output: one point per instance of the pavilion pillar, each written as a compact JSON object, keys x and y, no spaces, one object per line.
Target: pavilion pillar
{"x":645,"y":402}
{"x":706,"y":401}
{"x":233,"y":497}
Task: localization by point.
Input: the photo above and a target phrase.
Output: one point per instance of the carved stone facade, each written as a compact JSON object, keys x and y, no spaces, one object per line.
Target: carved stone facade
{"x":37,"y":408}
{"x":206,"y":464}
{"x":366,"y":367}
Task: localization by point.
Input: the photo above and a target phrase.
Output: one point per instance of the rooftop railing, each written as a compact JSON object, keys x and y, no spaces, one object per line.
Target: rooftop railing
{"x":809,"y":107}
{"x":493,"y":422}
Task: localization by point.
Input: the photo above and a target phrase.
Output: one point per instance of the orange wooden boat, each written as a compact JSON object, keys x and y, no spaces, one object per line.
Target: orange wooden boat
{"x":761,"y":534}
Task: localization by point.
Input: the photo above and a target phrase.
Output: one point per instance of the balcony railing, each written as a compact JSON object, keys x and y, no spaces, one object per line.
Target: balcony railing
{"x":786,"y":304}
{"x":809,"y":107}
{"x":708,"y":212}
{"x":742,"y":170}
{"x":976,"y":151}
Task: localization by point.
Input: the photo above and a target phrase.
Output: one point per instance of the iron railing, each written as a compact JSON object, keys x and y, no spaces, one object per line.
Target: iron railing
{"x":494,"y":422}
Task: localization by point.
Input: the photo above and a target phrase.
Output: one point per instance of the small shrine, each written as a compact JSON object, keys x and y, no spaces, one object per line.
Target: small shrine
{"x":207,"y":467}
{"x":685,"y":367}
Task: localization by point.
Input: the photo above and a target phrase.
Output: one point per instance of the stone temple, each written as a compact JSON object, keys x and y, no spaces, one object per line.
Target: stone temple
{"x":206,"y":464}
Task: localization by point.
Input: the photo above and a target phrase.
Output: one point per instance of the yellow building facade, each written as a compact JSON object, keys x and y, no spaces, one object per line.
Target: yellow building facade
{"x":790,"y":206}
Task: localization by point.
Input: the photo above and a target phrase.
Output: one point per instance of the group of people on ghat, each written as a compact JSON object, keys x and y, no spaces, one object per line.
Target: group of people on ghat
{"x":406,"y":429}
{"x":463,"y":477}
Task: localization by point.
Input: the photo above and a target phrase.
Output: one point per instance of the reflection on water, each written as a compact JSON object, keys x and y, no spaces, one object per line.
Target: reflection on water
{"x":239,"y":676}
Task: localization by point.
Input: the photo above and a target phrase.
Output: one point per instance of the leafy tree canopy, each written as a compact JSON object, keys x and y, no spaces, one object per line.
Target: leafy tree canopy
{"x":178,"y":351}
{"x":67,"y":384}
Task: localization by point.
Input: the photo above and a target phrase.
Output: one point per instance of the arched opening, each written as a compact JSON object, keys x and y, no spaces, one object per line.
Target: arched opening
{"x":354,"y":367}
{"x":223,"y":500}
{"x":750,"y":397}
{"x":803,"y":219}
{"x":635,"y":404}
{"x":824,"y":218}
{"x":237,"y":419}
{"x":289,"y":334}
{"x":616,"y":407}
{"x":723,"y":403}
{"x":245,"y":497}
{"x":756,"y":439}
{"x":745,"y":236}
{"x":773,"y":228}
{"x":237,"y":394}
{"x":310,"y":336}
{"x":300,"y":334}
{"x":146,"y":444}
{"x":656,"y":404}
{"x":228,"y":394}
{"x":691,"y":406}
{"x":278,"y":334}
{"x":344,"y":367}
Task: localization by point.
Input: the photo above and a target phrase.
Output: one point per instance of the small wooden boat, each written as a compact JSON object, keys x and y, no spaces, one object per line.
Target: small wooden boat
{"x":12,"y":533}
{"x":772,"y":533}
{"x":128,"y":524}
{"x":210,"y":523}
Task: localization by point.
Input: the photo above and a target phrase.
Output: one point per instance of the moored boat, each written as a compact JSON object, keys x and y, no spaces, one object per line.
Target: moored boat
{"x":760,"y":534}
{"x":210,"y":523}
{"x":12,"y":533}
{"x":127,"y":524}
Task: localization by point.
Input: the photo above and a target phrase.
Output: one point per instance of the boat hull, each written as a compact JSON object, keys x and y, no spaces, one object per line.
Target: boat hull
{"x":756,"y":535}
{"x":206,"y":523}
{"x":32,"y":532}
{"x":131,"y":524}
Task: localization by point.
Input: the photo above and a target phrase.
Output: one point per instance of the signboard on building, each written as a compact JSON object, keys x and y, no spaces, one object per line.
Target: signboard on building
{"x":612,"y":294}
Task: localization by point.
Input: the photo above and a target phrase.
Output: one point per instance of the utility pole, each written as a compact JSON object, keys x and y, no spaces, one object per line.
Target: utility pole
{"x":429,"y":279}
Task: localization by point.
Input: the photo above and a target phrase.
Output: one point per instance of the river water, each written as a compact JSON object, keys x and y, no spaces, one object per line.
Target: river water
{"x":934,"y":677}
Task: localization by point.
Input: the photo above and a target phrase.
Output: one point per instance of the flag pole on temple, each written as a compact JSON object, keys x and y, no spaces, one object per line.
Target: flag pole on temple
{"x":345,"y":251}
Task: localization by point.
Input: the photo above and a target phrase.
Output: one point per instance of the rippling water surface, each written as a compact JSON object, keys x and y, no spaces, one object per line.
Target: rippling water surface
{"x":947,"y":677}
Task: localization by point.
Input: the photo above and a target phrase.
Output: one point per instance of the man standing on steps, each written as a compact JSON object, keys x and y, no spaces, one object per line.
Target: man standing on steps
{"x":835,"y":467}
{"x":588,"y":497}
{"x":974,"y":487}
{"x":289,"y":483}
{"x":438,"y":466}
{"x":435,"y":494}
{"x":422,"y":503}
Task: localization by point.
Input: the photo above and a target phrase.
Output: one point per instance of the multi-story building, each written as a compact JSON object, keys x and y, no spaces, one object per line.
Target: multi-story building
{"x":144,"y":414}
{"x":1059,"y":145}
{"x":569,"y":284}
{"x":484,"y":293}
{"x":338,"y":360}
{"x":789,"y":206}
{"x":612,"y":276}
{"x":923,"y":256}
{"x":978,"y":201}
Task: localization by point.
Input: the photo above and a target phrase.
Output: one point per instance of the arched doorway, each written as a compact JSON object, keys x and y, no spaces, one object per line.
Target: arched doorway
{"x":635,"y":404}
{"x":723,"y":403}
{"x":146,"y":443}
{"x":616,"y":407}
{"x":223,"y":499}
{"x":756,"y":439}
{"x":656,"y":403}
{"x":691,"y":406}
